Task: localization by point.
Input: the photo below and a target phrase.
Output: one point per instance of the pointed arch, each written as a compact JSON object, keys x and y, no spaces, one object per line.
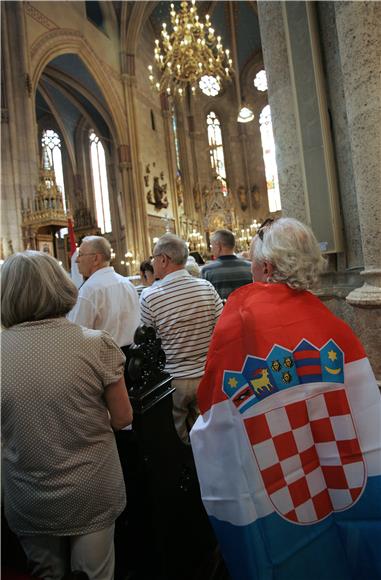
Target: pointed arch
{"x":63,"y":41}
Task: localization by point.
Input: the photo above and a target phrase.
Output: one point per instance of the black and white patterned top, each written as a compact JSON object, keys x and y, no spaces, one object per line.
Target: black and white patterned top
{"x":184,"y":311}
{"x":61,"y":470}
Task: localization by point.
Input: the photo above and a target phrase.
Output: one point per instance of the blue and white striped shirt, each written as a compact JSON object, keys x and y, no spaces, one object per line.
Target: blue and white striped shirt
{"x":183,"y":310}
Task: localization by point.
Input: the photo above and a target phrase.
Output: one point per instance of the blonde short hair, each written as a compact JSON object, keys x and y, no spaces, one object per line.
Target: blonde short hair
{"x":33,"y":287}
{"x":292,"y":249}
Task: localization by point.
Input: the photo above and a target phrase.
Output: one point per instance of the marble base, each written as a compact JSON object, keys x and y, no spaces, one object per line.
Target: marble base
{"x":367,"y":296}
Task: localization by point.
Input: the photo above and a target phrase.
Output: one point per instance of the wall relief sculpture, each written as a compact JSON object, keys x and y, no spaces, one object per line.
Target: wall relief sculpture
{"x":256,"y":197}
{"x":157,"y":195}
{"x":242,"y":198}
{"x":179,"y":190}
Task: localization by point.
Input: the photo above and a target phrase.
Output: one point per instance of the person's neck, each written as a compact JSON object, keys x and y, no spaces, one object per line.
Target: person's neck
{"x":226,"y":253}
{"x":100,"y":267}
{"x":171,"y":269}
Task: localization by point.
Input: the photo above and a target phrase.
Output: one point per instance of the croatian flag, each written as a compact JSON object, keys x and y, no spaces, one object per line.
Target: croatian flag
{"x":287,"y":446}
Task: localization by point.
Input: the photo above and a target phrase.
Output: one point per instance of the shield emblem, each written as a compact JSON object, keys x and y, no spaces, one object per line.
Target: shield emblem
{"x":309,"y":456}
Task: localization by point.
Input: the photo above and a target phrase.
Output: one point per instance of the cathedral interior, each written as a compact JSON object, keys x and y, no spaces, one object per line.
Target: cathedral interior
{"x":117,"y":119}
{"x":98,"y":128}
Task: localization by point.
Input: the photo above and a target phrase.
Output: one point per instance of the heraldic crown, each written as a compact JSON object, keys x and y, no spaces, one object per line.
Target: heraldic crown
{"x":283,"y":369}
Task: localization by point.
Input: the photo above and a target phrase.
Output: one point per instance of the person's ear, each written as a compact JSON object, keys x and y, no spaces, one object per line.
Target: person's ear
{"x":267,"y":268}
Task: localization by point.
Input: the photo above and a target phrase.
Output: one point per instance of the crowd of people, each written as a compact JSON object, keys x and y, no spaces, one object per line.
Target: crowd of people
{"x":262,"y":369}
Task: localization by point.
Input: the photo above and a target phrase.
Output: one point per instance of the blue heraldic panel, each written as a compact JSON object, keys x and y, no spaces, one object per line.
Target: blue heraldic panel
{"x":283,"y":369}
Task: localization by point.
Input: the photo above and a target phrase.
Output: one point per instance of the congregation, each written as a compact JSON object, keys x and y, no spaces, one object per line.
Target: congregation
{"x":272,"y":365}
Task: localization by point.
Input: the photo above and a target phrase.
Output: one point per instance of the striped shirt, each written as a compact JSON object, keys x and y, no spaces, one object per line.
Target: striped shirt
{"x":183,"y":310}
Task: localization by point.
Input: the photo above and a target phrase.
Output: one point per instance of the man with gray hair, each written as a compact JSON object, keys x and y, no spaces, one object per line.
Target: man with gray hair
{"x":227,"y":272}
{"x":183,"y":310}
{"x":107,"y":300}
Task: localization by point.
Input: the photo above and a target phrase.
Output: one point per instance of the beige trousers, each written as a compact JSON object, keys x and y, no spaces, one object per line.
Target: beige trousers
{"x":52,"y":557}
{"x":185,"y":409}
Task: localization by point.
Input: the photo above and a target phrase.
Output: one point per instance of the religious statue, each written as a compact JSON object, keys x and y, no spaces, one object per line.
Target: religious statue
{"x":256,"y":197}
{"x":159,"y":198}
{"x":179,"y":190}
{"x":242,"y":197}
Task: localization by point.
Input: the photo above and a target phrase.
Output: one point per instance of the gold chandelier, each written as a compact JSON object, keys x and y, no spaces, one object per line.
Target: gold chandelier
{"x":190,"y":55}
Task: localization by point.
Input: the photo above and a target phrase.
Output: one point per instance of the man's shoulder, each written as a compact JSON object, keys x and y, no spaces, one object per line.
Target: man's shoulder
{"x":173,"y":286}
{"x":211,"y":266}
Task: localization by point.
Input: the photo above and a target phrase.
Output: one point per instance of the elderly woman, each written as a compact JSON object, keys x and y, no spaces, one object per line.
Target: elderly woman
{"x":62,"y":393}
{"x":288,"y":447}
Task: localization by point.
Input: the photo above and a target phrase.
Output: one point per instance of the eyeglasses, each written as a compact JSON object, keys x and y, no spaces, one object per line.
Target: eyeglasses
{"x":88,"y":254}
{"x":266,"y":224}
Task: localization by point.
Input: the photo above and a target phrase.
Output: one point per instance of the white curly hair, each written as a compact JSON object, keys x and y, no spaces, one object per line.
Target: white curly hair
{"x":292,"y":249}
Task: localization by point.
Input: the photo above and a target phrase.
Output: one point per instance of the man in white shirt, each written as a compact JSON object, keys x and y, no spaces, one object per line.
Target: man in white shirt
{"x":107,"y":300}
{"x":183,"y":310}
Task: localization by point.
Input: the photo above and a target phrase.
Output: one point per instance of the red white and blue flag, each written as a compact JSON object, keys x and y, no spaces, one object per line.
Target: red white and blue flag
{"x":288,"y":443}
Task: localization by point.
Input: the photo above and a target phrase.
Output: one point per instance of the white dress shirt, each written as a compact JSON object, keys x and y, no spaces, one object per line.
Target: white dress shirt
{"x":108,"y":301}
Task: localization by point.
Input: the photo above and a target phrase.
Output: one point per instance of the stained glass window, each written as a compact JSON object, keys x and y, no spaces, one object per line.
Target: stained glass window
{"x":100,"y":183}
{"x":51,"y":142}
{"x":268,"y":147}
{"x":216,"y":149}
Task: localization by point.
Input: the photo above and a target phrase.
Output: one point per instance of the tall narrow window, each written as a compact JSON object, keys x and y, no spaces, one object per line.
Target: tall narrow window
{"x":216,"y":149}
{"x":51,"y":142}
{"x":268,"y":147}
{"x":176,"y":140}
{"x":100,"y":184}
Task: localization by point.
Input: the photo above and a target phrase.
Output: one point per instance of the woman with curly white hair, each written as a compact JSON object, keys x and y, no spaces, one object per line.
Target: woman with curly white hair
{"x":286,"y":251}
{"x":287,"y":446}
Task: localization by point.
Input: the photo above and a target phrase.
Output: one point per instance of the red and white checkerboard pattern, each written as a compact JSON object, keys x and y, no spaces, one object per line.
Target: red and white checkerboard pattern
{"x":309,"y":456}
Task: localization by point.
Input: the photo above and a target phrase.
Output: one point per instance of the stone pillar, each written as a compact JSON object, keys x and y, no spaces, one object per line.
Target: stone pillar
{"x":167,"y":122}
{"x":20,"y":160}
{"x":358,"y":29}
{"x":131,"y":170}
{"x":281,"y":100}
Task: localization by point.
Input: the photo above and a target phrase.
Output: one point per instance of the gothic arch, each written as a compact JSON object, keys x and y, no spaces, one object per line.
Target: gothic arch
{"x":63,"y":41}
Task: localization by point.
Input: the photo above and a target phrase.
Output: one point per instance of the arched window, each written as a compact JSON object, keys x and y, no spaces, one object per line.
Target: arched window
{"x":216,"y":149}
{"x":268,"y":147}
{"x":100,"y":184}
{"x":51,"y":143}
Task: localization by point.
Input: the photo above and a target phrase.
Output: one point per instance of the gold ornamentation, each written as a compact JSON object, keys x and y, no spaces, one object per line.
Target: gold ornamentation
{"x":189,"y":53}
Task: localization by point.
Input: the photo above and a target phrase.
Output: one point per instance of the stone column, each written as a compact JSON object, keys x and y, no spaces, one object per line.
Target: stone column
{"x":19,"y":143}
{"x":167,"y":122}
{"x":281,"y":100}
{"x":131,"y":170}
{"x":358,"y":29}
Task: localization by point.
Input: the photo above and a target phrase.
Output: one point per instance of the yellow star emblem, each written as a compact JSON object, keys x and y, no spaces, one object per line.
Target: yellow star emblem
{"x":233,"y":382}
{"x":332,"y":355}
